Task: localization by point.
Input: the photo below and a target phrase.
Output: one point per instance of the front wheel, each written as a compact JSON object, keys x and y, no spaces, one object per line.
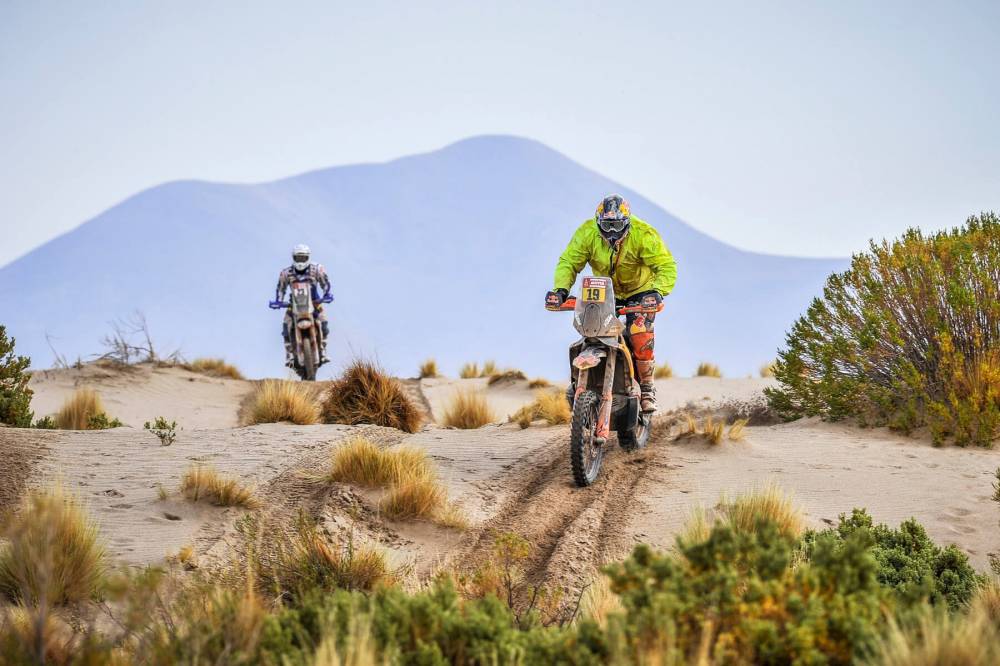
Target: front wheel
{"x":585,"y":454}
{"x":309,"y":371}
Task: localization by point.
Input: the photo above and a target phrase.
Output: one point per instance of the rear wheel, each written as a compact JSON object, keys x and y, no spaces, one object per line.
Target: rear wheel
{"x":584,"y":453}
{"x":309,"y":370}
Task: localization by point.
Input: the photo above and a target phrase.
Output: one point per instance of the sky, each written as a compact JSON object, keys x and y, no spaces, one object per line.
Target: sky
{"x":796,"y":128}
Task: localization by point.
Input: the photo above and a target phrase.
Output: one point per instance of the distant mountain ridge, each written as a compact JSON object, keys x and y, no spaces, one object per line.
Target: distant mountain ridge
{"x":445,"y":254}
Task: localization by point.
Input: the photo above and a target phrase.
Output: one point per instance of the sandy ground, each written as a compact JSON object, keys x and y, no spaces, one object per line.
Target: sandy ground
{"x":503,"y":477}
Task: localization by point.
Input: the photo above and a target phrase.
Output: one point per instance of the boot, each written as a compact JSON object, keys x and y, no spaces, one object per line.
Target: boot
{"x":289,"y":356}
{"x":323,"y":358}
{"x":645,"y":371}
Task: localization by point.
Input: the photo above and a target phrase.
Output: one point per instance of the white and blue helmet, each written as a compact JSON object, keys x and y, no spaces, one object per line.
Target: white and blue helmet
{"x":300,"y":257}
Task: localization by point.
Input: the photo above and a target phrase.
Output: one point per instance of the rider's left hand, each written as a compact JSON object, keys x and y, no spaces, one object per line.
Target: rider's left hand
{"x":327,"y":298}
{"x":652,"y":301}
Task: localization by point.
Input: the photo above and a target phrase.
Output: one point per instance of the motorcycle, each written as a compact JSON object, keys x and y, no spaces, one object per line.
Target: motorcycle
{"x":306,"y":331}
{"x":604,"y":389}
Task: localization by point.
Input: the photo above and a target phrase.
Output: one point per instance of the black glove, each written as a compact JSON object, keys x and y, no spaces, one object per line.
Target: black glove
{"x":555,"y":299}
{"x":652,"y":300}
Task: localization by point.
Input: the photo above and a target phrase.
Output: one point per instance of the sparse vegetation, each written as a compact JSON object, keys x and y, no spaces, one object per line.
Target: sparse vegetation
{"x":489,"y":369}
{"x":52,"y":554}
{"x":15,"y":396}
{"x":708,"y":370}
{"x":663,"y":371}
{"x":214,"y":367}
{"x":936,"y":638}
{"x":907,"y":337}
{"x":45,"y":423}
{"x":414,"y":498}
{"x":506,"y":376}
{"x":315,"y":564}
{"x":278,"y":400}
{"x":202,"y":483}
{"x":712,"y":428}
{"x":164,"y":431}
{"x":767,"y":370}
{"x":428,"y":369}
{"x":539,"y":383}
{"x":769,"y":504}
{"x":361,"y":462}
{"x":469,"y":371}
{"x":84,"y":411}
{"x":468,"y":410}
{"x":548,"y":405}
{"x":365,"y":394}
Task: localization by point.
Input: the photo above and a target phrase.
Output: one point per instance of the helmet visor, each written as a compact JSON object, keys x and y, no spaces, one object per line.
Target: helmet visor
{"x":300,"y":258}
{"x":612,"y":226}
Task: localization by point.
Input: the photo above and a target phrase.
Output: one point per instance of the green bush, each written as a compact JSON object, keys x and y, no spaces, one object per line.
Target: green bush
{"x":15,"y":396}
{"x":908,"y":336}
{"x":910,"y":564}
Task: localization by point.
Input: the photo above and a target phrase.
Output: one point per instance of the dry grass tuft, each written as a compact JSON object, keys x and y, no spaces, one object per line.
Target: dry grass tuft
{"x":987,"y":600}
{"x":214,"y":367}
{"x":539,"y":383}
{"x":428,"y":369}
{"x":363,"y":463}
{"x":52,"y":553}
{"x":489,"y":369}
{"x":548,"y":405}
{"x":468,"y":410}
{"x":712,"y":428}
{"x":769,"y":503}
{"x":366,"y":394}
{"x":736,"y":430}
{"x":315,"y":562}
{"x":936,"y":637}
{"x":469,"y":371}
{"x":663,"y":371}
{"x":599,"y":602}
{"x":414,"y":498}
{"x":508,"y":376}
{"x":708,"y":370}
{"x":84,"y":411}
{"x":204,"y":483}
{"x":278,"y":400}
{"x":186,"y":557}
{"x":767,"y":370}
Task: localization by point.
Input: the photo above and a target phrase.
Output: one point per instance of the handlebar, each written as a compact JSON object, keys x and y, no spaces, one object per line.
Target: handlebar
{"x":570,"y":304}
{"x":277,"y":305}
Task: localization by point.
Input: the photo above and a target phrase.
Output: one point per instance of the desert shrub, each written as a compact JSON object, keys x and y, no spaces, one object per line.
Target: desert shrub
{"x":663,"y":371}
{"x":908,"y":336}
{"x":52,"y":553}
{"x":15,"y":396}
{"x":414,"y":498}
{"x":489,"y":369}
{"x":84,"y":411}
{"x":935,"y":638}
{"x":214,"y":367}
{"x":45,"y":423}
{"x":767,"y":504}
{"x":469,"y":371}
{"x":165,"y":431}
{"x":539,"y":383}
{"x":909,"y":563}
{"x":365,"y":394}
{"x":548,"y":405}
{"x":506,"y":376}
{"x":361,"y":462}
{"x":468,"y":410}
{"x":314,"y":563}
{"x":278,"y":400}
{"x":428,"y":369}
{"x":204,"y":483}
{"x":707,"y":370}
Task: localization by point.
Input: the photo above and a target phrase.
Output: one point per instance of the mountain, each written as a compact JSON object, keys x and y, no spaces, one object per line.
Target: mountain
{"x":445,"y":254}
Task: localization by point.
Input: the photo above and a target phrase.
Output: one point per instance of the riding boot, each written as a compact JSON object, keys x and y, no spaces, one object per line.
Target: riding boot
{"x":645,"y":371}
{"x":289,"y":356}
{"x":323,"y":358}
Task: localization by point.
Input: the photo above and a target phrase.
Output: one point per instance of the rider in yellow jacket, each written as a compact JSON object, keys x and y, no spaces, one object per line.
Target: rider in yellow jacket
{"x":630,"y":251}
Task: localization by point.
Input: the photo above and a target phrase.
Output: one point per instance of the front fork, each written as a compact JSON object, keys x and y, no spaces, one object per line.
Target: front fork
{"x":604,"y":413}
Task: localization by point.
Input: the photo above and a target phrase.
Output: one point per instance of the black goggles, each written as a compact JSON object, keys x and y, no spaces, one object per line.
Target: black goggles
{"x":612,"y":226}
{"x":300,"y":258}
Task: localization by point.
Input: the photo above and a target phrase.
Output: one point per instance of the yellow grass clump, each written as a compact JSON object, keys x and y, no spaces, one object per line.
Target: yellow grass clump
{"x":52,"y":554}
{"x":708,"y":370}
{"x":663,"y":371}
{"x":548,"y":405}
{"x":539,"y":383}
{"x":508,"y":376}
{"x":84,"y":411}
{"x":489,"y":369}
{"x":350,"y":566}
{"x":363,"y":463}
{"x":428,"y":369}
{"x":214,"y":367}
{"x":414,"y":498}
{"x":599,"y":602}
{"x":469,"y":371}
{"x":713,"y":429}
{"x":468,"y":410}
{"x":767,"y":370}
{"x":937,"y":637}
{"x":366,"y":394}
{"x":768,"y":503}
{"x":204,"y":483}
{"x":278,"y":400}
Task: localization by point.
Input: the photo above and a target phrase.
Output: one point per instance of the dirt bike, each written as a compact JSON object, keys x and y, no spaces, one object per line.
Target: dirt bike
{"x":306,"y":331}
{"x":604,"y":390}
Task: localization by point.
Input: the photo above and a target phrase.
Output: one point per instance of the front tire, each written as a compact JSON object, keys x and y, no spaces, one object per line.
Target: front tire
{"x":309,"y":371}
{"x":584,"y":454}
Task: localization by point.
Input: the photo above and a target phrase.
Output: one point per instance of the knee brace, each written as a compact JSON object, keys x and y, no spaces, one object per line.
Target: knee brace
{"x":642,"y":345}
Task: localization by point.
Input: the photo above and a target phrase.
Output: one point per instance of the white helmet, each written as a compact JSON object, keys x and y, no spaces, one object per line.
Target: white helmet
{"x":300,"y":257}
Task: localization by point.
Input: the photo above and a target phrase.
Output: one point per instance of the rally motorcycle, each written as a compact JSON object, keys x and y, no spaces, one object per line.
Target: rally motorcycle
{"x":604,"y":389}
{"x":306,"y":331}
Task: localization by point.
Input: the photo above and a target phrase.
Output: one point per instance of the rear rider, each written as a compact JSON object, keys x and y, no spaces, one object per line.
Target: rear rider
{"x":619,"y":245}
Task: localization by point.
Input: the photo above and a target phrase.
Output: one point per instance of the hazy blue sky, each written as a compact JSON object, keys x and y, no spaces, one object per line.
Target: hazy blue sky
{"x":793,"y":128}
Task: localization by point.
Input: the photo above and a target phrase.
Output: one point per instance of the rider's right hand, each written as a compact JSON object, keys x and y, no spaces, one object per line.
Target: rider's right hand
{"x":556,"y":298}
